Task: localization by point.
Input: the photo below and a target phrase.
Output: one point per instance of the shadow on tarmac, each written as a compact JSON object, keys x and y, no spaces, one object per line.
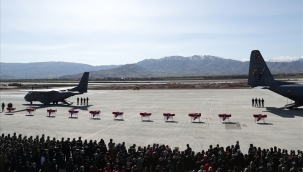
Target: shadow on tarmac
{"x":265,"y":123}
{"x":229,"y":122}
{"x":40,"y":106}
{"x":95,"y":118}
{"x":29,"y":115}
{"x":73,"y":117}
{"x":118,"y":119}
{"x":285,"y":113}
{"x":171,"y":121}
{"x":147,"y":121}
{"x":200,"y":122}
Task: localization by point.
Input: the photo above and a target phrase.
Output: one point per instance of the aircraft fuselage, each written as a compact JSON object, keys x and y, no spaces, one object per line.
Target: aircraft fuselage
{"x":48,"y":97}
{"x":293,"y":92}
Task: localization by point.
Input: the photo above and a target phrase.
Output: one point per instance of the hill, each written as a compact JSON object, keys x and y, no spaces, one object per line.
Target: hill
{"x":128,"y":70}
{"x":45,"y":69}
{"x":211,"y":65}
{"x":194,"y":66}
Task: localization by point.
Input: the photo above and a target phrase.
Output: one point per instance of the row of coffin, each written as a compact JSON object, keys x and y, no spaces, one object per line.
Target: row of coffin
{"x":117,"y":114}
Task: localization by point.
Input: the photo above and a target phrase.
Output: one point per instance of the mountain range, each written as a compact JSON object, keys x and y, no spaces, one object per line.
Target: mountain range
{"x":196,"y":65}
{"x":45,"y":69}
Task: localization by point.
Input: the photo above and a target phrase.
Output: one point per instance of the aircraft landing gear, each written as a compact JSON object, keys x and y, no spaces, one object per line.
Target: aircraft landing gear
{"x":293,"y":106}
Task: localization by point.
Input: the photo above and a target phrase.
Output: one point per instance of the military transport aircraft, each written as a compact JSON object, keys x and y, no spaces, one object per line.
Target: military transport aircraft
{"x":260,"y":76}
{"x":48,"y":96}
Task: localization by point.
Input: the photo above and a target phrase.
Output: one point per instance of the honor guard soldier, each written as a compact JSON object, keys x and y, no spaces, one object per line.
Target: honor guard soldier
{"x":3,"y":106}
{"x":256,"y":102}
{"x":259,"y":102}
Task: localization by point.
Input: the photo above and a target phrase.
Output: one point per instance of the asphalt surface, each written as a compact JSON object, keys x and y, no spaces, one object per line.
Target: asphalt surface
{"x":282,"y":128}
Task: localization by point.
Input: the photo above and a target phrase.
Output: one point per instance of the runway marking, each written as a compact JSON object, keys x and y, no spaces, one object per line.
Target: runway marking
{"x":211,"y":107}
{"x":110,"y":126}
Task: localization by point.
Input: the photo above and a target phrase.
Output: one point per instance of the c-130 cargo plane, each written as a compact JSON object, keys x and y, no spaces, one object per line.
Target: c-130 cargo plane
{"x":54,"y":96}
{"x":259,"y":75}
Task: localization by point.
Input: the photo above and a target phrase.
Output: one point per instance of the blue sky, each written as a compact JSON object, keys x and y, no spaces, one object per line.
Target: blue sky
{"x":120,"y":32}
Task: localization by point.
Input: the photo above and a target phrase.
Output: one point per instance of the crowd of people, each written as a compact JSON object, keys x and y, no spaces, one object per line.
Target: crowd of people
{"x":31,"y":154}
{"x":82,"y":100}
{"x":255,"y":102}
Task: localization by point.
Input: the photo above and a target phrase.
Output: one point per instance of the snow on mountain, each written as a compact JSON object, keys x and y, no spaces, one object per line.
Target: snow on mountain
{"x":278,"y":59}
{"x":210,"y":57}
{"x":244,"y":60}
{"x":284,"y":59}
{"x":194,"y":57}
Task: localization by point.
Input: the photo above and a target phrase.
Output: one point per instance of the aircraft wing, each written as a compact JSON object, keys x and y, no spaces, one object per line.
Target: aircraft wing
{"x":48,"y":90}
{"x":40,"y":90}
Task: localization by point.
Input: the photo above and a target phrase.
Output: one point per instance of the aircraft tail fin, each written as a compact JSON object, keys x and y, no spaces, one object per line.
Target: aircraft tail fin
{"x":259,"y":74}
{"x":82,"y":86}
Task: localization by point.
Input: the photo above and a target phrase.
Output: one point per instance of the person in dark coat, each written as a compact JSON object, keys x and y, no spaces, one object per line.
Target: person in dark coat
{"x":67,"y":151}
{"x":252,"y":102}
{"x":53,"y":166}
{"x":81,"y":100}
{"x":232,"y":162}
{"x":180,"y":166}
{"x":87,"y":100}
{"x":26,"y":167}
{"x":2,"y":106}
{"x":34,"y":168}
{"x":237,"y":146}
{"x":262,"y":102}
{"x":69,"y":165}
{"x":77,"y":100}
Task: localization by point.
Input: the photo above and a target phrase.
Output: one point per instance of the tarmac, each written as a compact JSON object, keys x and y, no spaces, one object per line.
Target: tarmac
{"x":283,"y":128}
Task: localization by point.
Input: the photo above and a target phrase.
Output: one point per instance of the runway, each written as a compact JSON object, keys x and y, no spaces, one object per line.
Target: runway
{"x":283,"y":128}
